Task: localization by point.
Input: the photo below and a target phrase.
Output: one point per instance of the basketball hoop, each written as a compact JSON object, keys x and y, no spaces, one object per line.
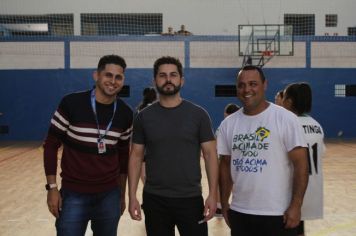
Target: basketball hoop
{"x":263,"y":42}
{"x":267,"y":53}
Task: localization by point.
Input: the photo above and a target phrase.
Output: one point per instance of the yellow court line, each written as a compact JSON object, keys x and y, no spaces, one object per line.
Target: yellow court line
{"x":335,"y":228}
{"x":11,"y":146}
{"x":3,"y":149}
{"x":7,"y":147}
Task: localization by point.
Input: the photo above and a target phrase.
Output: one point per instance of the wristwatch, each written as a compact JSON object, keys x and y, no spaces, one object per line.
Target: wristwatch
{"x":51,"y":186}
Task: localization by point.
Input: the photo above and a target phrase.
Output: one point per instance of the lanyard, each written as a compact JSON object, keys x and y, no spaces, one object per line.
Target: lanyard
{"x":93,"y":105}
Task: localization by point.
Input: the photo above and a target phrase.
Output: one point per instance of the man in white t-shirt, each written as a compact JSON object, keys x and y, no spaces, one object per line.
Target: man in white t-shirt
{"x":264,"y":163}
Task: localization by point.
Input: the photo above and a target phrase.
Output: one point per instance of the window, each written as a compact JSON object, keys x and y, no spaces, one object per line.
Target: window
{"x":331,"y":20}
{"x":4,"y":129}
{"x":350,"y":90}
{"x":37,"y":25}
{"x":125,"y":91}
{"x":351,"y":31}
{"x":345,"y":90}
{"x":340,"y":90}
{"x":225,"y":90}
{"x":303,"y":24}
{"x":121,"y":24}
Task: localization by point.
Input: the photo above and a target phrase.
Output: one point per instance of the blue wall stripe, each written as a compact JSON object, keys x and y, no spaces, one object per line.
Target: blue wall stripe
{"x":28,"y":98}
{"x":67,"y":54}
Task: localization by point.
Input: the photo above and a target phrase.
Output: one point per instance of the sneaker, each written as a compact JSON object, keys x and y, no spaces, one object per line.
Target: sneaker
{"x":218,"y":213}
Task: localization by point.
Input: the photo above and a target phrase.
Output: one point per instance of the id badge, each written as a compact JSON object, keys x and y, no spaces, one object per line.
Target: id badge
{"x":101,"y":146}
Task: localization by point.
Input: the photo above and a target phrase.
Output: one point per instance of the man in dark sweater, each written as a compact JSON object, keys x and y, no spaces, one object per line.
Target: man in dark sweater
{"x":171,"y":133}
{"x":94,"y":128}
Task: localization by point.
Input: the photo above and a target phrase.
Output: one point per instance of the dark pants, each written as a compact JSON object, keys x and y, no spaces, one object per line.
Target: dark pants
{"x":162,"y":214}
{"x":300,"y":228}
{"x":103,"y":209}
{"x":252,"y":225}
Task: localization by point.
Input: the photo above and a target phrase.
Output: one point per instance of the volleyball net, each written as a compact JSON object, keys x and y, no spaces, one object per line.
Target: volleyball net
{"x":223,"y":35}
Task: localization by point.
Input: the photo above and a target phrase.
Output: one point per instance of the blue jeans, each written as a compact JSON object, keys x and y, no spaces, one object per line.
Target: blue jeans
{"x":102,"y":209}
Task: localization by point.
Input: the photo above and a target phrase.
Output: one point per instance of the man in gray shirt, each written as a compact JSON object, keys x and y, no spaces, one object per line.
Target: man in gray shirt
{"x":171,"y":133}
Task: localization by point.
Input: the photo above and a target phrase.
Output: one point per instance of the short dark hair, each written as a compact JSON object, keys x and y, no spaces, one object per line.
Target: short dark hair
{"x":301,"y":96}
{"x":280,"y":93}
{"x":111,"y":59}
{"x":167,"y":60}
{"x":149,"y":96}
{"x":231,"y":108}
{"x":251,"y":67}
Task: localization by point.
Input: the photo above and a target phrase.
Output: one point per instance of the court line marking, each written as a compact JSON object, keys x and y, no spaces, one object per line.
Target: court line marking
{"x":335,"y":228}
{"x":43,"y":220}
{"x":17,"y":154}
{"x":38,"y":220}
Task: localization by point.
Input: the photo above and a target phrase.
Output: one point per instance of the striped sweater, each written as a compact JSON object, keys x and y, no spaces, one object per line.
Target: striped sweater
{"x":73,"y":125}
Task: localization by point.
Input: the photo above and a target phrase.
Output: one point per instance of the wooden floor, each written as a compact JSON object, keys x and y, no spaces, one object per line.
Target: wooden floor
{"x":23,"y":209}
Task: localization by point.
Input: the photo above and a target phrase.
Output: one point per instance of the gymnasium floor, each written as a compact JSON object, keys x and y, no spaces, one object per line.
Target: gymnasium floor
{"x":23,"y":209}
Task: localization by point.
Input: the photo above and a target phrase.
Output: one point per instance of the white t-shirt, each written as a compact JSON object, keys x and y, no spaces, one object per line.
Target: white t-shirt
{"x":312,"y":207}
{"x":261,"y":170}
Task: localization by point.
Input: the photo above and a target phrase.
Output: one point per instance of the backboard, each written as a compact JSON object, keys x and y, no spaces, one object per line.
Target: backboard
{"x":262,"y":42}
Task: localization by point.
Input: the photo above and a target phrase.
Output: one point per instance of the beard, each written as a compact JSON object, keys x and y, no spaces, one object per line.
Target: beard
{"x":174,"y":91}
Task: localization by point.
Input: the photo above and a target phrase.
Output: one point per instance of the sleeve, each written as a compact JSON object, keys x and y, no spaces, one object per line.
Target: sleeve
{"x":123,"y":152}
{"x":57,"y":131}
{"x":138,"y":134}
{"x":206,"y":130}
{"x":223,"y":146}
{"x":293,"y":135}
{"x":123,"y":145}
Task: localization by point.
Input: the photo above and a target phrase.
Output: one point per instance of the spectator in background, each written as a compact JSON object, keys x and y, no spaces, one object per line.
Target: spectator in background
{"x":279,"y":98}
{"x":230,"y":108}
{"x":298,"y":99}
{"x":149,"y":96}
{"x":183,"y":31}
{"x":169,"y":33}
